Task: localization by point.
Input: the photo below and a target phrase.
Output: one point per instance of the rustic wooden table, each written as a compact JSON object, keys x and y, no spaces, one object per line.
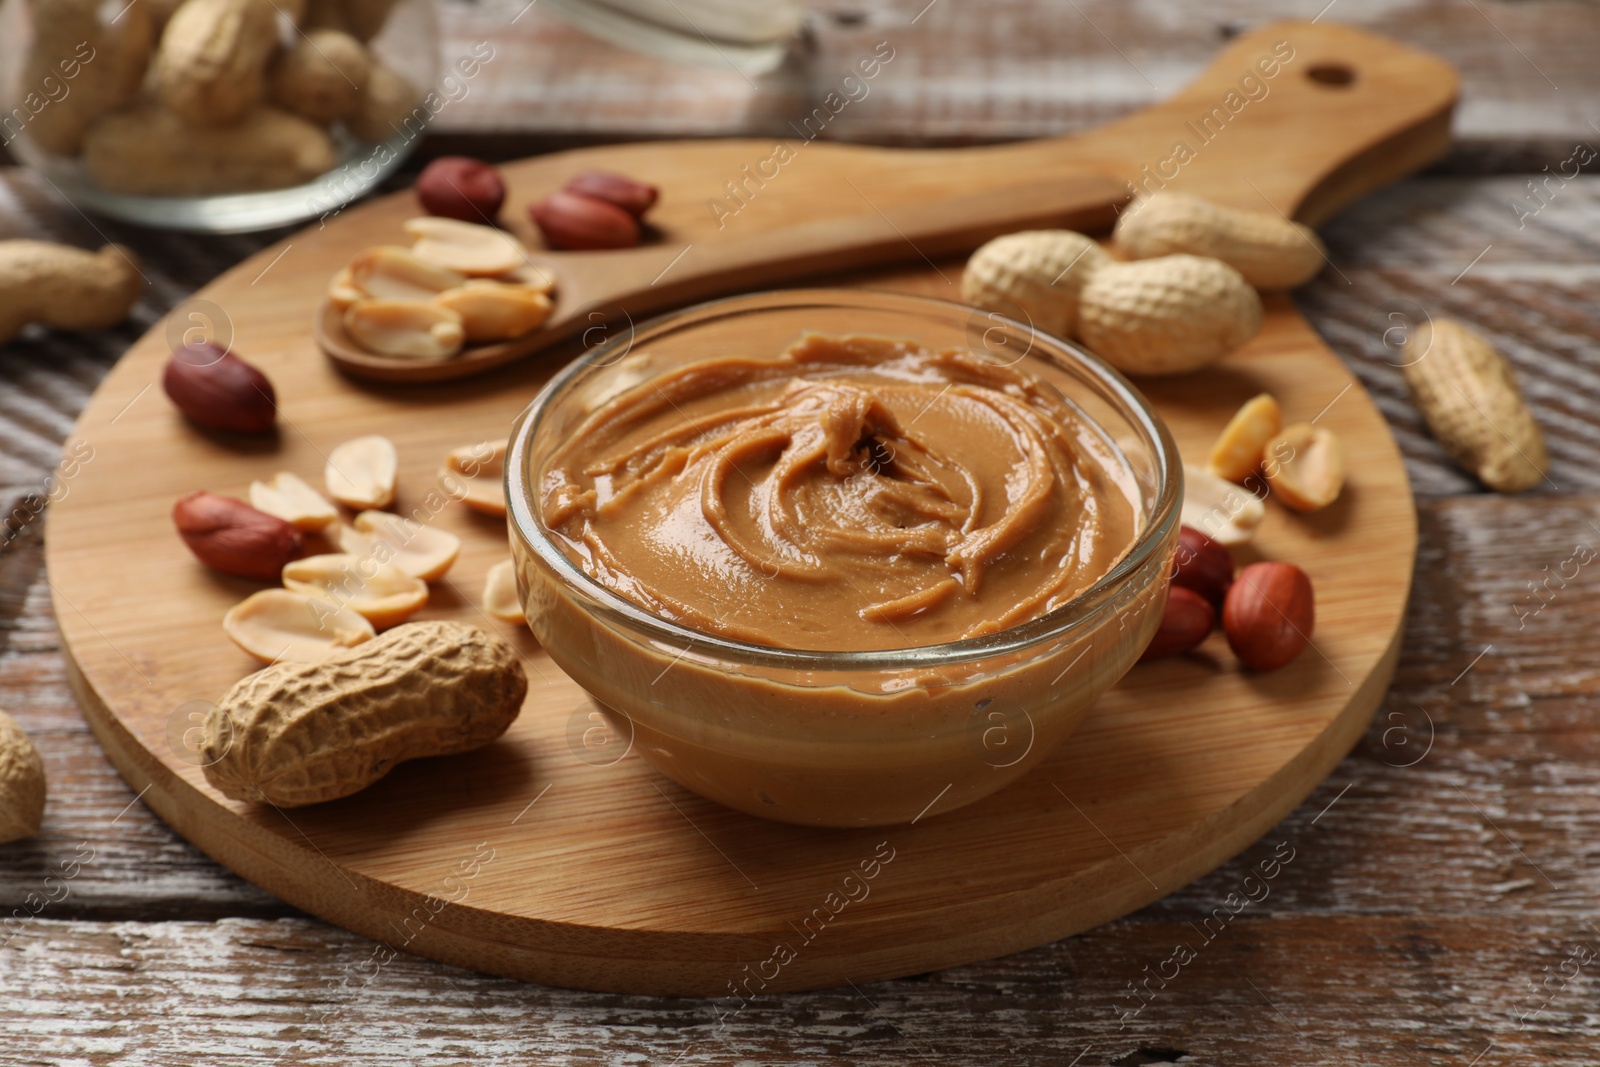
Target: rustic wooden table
{"x":1438,"y":907}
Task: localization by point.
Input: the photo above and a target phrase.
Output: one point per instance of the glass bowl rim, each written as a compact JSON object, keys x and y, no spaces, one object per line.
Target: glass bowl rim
{"x":1077,"y":614}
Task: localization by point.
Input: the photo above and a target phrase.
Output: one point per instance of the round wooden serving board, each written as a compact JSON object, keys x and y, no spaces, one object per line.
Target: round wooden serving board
{"x":538,"y":858}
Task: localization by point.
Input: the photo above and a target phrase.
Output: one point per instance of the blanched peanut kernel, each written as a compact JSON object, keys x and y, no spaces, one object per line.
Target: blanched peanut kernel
{"x":379,"y":592}
{"x":1219,"y":509}
{"x":500,"y":593}
{"x":390,"y":272}
{"x":406,"y":328}
{"x":496,"y":311}
{"x":531,"y":275}
{"x":1239,"y":449}
{"x":288,"y":497}
{"x":342,"y":290}
{"x":420,"y":551}
{"x":1305,"y":467}
{"x":481,"y":251}
{"x":361,"y":472}
{"x":474,"y":474}
{"x":277,"y":625}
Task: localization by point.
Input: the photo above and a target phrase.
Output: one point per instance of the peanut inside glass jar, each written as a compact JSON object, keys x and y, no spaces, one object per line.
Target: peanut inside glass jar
{"x":222,"y":116}
{"x":850,"y":493}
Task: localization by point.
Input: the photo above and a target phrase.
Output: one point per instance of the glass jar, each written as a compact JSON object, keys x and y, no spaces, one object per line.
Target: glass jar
{"x":119,"y":107}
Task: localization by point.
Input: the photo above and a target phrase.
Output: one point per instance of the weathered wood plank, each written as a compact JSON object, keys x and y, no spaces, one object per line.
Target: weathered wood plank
{"x":1426,"y":899}
{"x":1260,"y":988}
{"x":1004,"y":70}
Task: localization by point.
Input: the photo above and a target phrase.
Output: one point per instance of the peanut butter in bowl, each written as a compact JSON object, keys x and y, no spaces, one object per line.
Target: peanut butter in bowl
{"x":852,"y":493}
{"x":810,"y":549}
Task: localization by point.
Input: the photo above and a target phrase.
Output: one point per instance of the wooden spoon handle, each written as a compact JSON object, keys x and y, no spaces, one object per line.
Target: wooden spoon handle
{"x":881,"y":231}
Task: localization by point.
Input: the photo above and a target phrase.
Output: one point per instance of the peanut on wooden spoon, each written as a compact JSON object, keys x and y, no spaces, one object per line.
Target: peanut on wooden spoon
{"x":613,"y":288}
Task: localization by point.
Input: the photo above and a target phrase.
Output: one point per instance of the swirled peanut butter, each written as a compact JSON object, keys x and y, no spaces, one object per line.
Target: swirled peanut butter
{"x":852,"y":493}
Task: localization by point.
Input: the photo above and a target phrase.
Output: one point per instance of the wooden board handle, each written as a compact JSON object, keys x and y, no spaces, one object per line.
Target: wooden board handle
{"x":1304,"y":117}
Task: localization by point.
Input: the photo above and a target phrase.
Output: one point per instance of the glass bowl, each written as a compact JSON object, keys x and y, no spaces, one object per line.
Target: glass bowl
{"x":56,"y":76}
{"x":831,"y":738}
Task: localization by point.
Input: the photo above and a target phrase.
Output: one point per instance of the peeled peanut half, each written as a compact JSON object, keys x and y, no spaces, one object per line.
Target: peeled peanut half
{"x":390,"y":272}
{"x":474,"y":474}
{"x":500,"y":593}
{"x":531,"y":275}
{"x":409,"y":328}
{"x":278,"y":625}
{"x":481,"y":251}
{"x":361,"y":472}
{"x":342,"y":290}
{"x":1239,"y":449}
{"x":381,"y":593}
{"x":1305,"y":466}
{"x":496,"y":311}
{"x":406,"y":544}
{"x":288,"y":497}
{"x":1222,"y":511}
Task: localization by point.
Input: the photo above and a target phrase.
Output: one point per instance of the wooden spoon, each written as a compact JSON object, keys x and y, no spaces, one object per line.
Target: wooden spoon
{"x":593,"y":288}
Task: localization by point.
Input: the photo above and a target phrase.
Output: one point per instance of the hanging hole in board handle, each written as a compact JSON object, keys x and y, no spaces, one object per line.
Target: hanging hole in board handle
{"x":1332,"y":75}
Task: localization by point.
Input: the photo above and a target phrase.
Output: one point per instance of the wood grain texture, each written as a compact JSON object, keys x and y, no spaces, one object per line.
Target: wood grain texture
{"x":141,"y":867}
{"x":1267,"y":989}
{"x":1406,"y":928}
{"x":1466,"y":922}
{"x":1180,"y":766}
{"x":1005,"y":69}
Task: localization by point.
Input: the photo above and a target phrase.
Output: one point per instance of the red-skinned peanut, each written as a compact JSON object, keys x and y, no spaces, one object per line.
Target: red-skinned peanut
{"x":1202,"y":565}
{"x":1185,"y":621}
{"x":1269,"y":615}
{"x":572,"y":222}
